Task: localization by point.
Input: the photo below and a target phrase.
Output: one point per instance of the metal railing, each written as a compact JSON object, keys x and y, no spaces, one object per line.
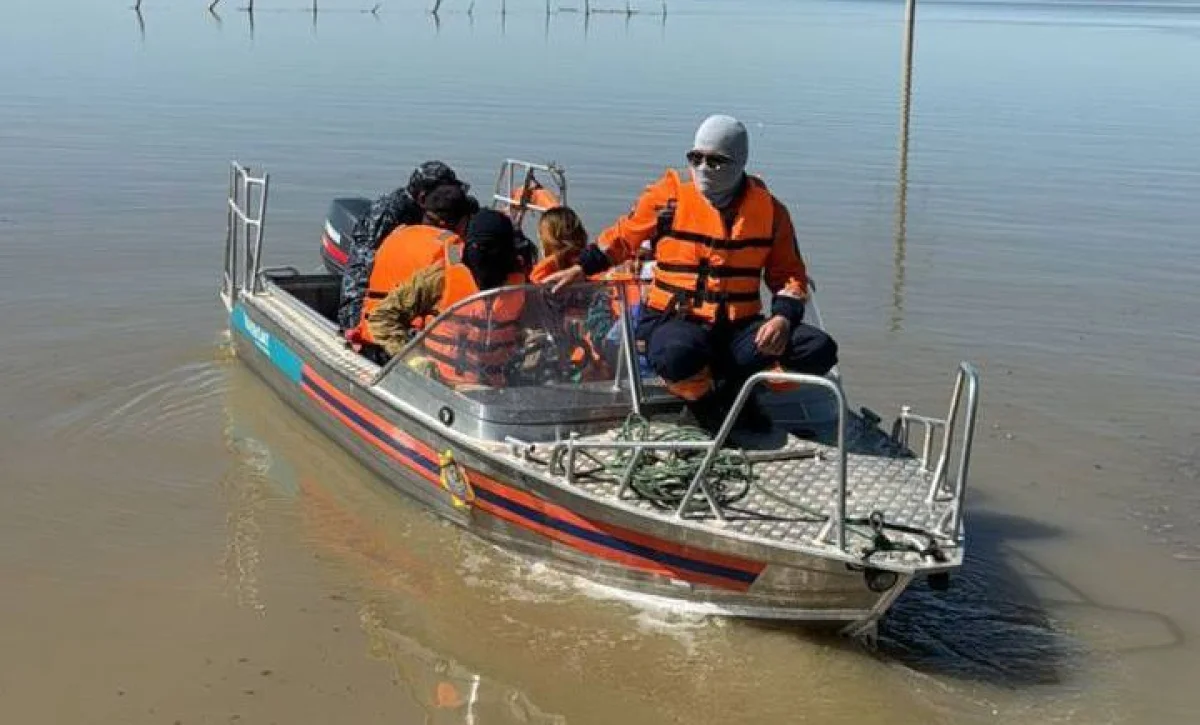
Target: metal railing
{"x":517,"y":177}
{"x":940,"y":491}
{"x":246,"y":209}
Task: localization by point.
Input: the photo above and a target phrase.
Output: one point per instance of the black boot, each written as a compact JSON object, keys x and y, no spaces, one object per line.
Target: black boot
{"x":707,"y":413}
{"x":753,"y":418}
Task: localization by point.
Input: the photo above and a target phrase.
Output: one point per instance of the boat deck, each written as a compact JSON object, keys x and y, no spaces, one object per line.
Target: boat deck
{"x":792,"y":496}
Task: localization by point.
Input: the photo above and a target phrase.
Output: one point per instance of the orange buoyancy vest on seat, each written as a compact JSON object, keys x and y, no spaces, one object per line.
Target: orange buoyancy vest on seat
{"x":475,"y":342}
{"x":533,"y":196}
{"x":701,"y":268}
{"x":404,"y":252}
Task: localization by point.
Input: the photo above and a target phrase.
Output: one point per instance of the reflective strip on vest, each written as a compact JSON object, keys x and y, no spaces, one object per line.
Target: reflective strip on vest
{"x":476,"y":342}
{"x":703,"y":272}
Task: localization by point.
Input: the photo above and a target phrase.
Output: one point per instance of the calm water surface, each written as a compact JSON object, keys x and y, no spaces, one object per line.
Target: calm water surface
{"x":177,"y":546}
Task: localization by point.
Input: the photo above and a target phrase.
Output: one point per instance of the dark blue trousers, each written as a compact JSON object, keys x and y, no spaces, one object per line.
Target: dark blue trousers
{"x":679,"y":349}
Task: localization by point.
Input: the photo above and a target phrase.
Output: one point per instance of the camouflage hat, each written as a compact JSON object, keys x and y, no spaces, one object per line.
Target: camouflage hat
{"x":429,"y":175}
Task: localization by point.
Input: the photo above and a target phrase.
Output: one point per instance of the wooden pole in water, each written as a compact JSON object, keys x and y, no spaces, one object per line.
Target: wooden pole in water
{"x":910,"y":19}
{"x":900,"y":218}
{"x":212,"y":6}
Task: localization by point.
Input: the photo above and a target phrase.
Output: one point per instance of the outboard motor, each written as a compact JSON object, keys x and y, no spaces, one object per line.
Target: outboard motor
{"x":339,"y":222}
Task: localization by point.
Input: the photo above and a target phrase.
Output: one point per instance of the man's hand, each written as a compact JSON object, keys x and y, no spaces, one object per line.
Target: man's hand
{"x":772,"y":338}
{"x":568,"y":276}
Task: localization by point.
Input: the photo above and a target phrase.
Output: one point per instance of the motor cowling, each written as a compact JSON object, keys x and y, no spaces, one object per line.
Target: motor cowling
{"x":343,"y":214}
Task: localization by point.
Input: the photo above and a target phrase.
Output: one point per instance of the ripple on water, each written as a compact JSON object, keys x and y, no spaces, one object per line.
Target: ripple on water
{"x":163,"y":406}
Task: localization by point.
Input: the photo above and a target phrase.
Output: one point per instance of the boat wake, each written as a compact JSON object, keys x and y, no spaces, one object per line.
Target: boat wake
{"x":166,"y":406}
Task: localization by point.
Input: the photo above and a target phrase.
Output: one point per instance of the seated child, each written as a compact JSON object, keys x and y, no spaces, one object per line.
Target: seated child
{"x":563,"y":238}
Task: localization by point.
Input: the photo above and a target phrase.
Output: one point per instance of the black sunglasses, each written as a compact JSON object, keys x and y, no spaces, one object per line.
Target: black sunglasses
{"x":713,"y":161}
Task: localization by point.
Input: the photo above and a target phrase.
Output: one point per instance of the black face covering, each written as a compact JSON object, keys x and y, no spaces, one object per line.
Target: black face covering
{"x":490,"y":251}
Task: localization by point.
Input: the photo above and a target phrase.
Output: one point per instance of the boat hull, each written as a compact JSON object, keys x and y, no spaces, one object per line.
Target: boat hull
{"x":648,"y":560}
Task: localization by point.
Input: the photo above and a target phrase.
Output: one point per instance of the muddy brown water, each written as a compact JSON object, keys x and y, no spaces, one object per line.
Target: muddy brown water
{"x":176,"y":546}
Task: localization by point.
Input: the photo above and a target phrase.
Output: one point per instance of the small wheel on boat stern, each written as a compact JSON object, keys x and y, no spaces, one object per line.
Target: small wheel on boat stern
{"x":446,"y":415}
{"x":880,"y":580}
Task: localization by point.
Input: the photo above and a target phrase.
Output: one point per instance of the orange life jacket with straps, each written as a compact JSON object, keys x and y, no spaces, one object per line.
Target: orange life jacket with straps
{"x":404,"y":252}
{"x":476,"y":341}
{"x":703,"y":268}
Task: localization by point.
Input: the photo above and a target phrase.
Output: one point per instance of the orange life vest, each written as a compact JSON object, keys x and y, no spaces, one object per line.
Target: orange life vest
{"x":701,"y":268}
{"x":535,"y":195}
{"x":477,"y":340}
{"x":404,"y":252}
{"x":544,"y":269}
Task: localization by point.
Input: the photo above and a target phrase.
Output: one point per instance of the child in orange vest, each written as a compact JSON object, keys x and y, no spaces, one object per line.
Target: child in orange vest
{"x":563,"y":238}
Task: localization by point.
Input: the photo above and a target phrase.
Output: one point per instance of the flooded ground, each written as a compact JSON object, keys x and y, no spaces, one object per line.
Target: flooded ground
{"x":177,"y":547}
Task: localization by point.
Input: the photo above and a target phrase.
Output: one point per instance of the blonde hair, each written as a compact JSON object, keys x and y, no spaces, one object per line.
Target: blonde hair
{"x":561,"y":231}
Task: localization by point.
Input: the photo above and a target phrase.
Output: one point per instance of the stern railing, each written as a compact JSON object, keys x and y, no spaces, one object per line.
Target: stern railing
{"x":516,"y":179}
{"x":245,"y":212}
{"x":941,"y":488}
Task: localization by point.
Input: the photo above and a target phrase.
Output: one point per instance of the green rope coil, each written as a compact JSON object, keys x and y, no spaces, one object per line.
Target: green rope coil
{"x":663,"y":476}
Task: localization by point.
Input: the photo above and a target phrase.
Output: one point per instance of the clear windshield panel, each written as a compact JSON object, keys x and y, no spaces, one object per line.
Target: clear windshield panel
{"x":529,"y":347}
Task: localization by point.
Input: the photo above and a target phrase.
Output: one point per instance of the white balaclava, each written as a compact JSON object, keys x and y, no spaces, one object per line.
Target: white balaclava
{"x":726,"y":136}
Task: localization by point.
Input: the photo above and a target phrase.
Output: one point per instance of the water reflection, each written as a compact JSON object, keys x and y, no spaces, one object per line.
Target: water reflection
{"x":402,"y":586}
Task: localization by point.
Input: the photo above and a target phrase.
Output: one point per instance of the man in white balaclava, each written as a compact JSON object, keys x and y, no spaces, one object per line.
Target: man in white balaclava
{"x":723,"y":137}
{"x":714,"y":240}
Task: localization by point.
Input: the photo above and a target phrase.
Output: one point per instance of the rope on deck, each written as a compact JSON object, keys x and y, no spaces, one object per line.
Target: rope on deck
{"x":663,"y":476}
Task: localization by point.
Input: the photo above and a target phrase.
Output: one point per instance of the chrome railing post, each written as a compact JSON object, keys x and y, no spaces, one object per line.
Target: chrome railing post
{"x":631,"y":363}
{"x":229,"y":285}
{"x":727,"y":426}
{"x":259,"y":223}
{"x":939,"y":473}
{"x":968,"y":371}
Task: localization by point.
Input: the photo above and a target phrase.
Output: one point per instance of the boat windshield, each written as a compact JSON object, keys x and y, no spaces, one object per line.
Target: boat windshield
{"x":528,"y":347}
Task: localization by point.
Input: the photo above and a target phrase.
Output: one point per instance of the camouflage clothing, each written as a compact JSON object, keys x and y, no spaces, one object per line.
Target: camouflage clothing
{"x":387,"y":213}
{"x":391,"y":323}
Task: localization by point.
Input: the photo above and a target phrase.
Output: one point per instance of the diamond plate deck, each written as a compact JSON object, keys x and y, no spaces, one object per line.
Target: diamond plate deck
{"x":792,"y":501}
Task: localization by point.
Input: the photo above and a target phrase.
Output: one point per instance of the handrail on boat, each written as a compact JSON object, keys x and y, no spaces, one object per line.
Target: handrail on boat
{"x":966,"y":381}
{"x":516,"y":175}
{"x":713,"y":447}
{"x":246,"y":209}
{"x":698,"y":481}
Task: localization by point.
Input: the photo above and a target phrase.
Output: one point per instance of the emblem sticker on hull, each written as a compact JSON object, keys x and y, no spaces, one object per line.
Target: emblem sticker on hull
{"x":454,"y":479}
